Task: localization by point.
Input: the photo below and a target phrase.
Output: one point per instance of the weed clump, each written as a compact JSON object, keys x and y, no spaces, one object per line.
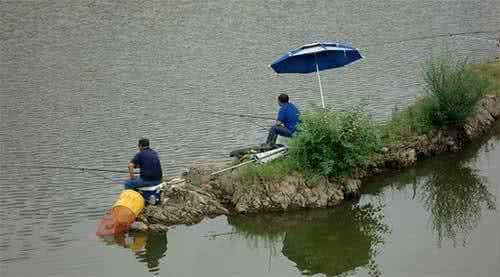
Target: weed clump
{"x":452,"y":91}
{"x":333,"y":143}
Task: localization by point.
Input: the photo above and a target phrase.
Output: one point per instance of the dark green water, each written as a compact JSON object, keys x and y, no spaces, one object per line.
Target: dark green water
{"x":439,"y":218}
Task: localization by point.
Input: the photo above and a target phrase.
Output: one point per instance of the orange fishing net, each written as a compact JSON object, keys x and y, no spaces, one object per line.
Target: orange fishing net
{"x":128,"y":206}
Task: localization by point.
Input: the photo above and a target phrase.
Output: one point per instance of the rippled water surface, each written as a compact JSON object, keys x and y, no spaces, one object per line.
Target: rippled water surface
{"x":81,"y":81}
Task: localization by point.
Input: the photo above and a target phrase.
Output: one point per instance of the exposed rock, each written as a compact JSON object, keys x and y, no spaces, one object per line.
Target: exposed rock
{"x":138,"y":226}
{"x":493,"y":106}
{"x":488,"y":109}
{"x":288,"y":193}
{"x":352,"y":187}
{"x":183,"y":205}
{"x":176,"y":182}
{"x":336,"y":199}
{"x":199,"y":172}
{"x":408,"y":157}
{"x":158,"y":228}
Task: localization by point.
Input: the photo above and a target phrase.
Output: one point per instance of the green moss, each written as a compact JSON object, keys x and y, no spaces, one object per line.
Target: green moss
{"x":489,"y":71}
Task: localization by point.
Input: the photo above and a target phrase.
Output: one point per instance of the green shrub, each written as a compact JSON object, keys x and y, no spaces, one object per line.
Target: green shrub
{"x":408,"y":123}
{"x":452,"y":90}
{"x":332,"y":143}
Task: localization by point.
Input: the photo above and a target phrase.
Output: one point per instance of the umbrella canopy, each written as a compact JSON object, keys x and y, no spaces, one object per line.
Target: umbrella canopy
{"x":315,"y":57}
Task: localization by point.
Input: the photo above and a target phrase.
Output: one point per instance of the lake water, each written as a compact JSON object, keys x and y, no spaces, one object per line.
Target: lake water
{"x":82,"y":81}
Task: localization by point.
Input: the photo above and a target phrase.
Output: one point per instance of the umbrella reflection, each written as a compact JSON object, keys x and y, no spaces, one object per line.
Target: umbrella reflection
{"x":331,"y":242}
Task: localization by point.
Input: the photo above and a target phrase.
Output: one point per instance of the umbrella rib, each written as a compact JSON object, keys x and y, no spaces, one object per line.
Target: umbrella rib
{"x":319,"y":81}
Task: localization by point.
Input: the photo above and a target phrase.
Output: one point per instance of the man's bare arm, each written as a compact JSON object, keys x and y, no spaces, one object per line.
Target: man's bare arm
{"x":131,"y":167}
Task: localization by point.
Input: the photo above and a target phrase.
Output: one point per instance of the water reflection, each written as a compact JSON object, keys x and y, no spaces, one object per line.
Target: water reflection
{"x":450,"y":189}
{"x":148,"y":247}
{"x":332,"y":242}
{"x":454,"y":198}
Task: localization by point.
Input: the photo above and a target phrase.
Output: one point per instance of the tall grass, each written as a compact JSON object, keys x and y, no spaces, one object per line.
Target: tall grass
{"x":452,"y":91}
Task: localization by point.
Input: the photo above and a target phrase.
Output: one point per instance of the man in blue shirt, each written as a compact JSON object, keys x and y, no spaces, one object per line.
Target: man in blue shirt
{"x":286,"y":122}
{"x":148,"y":161}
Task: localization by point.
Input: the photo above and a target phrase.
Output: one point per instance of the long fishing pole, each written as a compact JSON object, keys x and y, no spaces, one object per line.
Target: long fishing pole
{"x":67,"y":168}
{"x":435,"y":36}
{"x":233,"y":114}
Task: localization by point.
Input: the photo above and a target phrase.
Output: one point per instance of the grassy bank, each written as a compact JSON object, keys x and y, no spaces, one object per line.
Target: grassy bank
{"x":491,"y":72}
{"x":332,"y":144}
{"x":452,"y":90}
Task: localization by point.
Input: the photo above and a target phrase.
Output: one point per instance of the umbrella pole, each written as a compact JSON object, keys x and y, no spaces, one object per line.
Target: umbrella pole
{"x":320,"y":88}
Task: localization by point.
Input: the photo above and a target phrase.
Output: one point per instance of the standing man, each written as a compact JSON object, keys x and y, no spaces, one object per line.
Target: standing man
{"x":148,"y":161}
{"x":287,"y":121}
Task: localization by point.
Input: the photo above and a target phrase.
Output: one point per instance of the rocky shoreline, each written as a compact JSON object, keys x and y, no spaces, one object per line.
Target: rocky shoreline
{"x":185,"y":203}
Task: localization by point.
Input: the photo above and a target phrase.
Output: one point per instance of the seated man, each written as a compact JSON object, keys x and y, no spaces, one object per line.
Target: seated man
{"x":148,"y":161}
{"x":287,"y":121}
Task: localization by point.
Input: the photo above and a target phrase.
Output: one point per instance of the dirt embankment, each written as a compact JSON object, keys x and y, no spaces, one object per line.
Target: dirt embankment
{"x":184,"y":203}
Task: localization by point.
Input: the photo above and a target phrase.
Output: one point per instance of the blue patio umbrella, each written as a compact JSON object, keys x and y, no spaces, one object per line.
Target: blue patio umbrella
{"x":315,"y":57}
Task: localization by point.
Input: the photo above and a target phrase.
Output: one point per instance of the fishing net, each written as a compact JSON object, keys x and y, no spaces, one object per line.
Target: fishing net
{"x":124,"y":212}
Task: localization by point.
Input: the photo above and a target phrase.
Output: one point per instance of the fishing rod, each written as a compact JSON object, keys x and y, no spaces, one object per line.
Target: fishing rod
{"x":233,"y":114}
{"x":434,"y":36}
{"x":258,"y":158}
{"x":68,"y":168}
